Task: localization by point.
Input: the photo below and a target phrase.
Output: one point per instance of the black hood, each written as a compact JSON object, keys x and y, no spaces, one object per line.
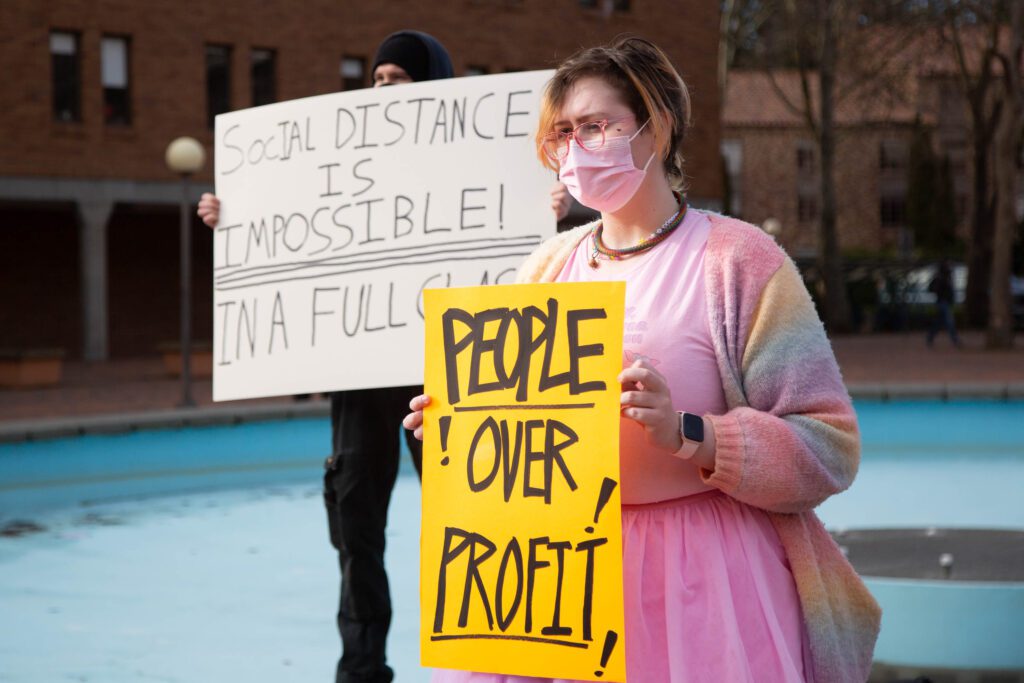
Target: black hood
{"x":439,"y":64}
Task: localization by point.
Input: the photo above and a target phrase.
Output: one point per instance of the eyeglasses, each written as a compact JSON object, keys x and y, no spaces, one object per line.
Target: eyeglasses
{"x":589,"y":136}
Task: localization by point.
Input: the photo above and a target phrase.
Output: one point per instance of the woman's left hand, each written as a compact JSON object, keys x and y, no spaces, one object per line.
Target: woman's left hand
{"x":647,"y":401}
{"x":561,"y":201}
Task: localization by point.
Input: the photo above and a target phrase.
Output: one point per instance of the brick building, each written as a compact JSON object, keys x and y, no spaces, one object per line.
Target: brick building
{"x":773,"y":165}
{"x":892,"y":86}
{"x":772,"y":160}
{"x":94,"y":91}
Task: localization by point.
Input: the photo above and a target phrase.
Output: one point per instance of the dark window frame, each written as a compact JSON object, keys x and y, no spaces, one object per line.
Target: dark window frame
{"x":223,"y":104}
{"x":892,"y":211}
{"x":889,"y":157}
{"x":807,"y":208}
{"x":617,"y":5}
{"x":74,"y":97}
{"x":352,"y":82}
{"x":805,"y":158}
{"x":262,"y":93}
{"x":126,"y":119}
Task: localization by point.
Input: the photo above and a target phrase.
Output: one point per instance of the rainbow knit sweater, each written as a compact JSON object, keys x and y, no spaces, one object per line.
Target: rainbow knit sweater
{"x":789,"y":439}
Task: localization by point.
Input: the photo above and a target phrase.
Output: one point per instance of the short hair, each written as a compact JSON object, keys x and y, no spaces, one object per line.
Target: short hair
{"x":648,"y":84}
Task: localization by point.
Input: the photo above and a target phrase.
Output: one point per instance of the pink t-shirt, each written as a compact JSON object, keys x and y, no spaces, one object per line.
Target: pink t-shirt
{"x":667,"y":324}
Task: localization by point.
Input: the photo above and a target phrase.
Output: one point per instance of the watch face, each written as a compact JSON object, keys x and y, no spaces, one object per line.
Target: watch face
{"x":693,"y":427}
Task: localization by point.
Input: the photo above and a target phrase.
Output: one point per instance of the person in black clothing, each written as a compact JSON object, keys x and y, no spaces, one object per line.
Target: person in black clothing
{"x":942,"y":286}
{"x":361,"y":471}
{"x":365,"y":430}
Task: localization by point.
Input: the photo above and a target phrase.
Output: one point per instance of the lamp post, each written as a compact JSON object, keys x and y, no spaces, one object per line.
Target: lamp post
{"x":185,"y":156}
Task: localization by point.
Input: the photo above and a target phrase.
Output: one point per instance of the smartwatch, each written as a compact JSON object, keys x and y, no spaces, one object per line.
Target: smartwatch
{"x":691,"y":431}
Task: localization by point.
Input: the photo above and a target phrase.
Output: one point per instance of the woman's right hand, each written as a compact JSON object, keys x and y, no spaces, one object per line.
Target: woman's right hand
{"x":209,"y":209}
{"x":414,"y":420}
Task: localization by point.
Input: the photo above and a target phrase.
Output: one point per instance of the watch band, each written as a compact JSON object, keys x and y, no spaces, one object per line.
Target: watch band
{"x":691,"y":435}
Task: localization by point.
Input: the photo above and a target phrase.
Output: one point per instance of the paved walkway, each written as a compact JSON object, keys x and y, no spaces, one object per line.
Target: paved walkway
{"x":904,"y":358}
{"x":138,"y":391}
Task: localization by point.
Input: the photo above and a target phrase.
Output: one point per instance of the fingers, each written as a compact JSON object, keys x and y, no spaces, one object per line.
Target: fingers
{"x":643,"y":373}
{"x":209,"y":209}
{"x":648,"y":417}
{"x":641,"y":399}
{"x":413,"y":420}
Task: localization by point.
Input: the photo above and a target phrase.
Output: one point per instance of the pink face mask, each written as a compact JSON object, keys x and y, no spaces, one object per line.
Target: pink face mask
{"x":603,"y":179}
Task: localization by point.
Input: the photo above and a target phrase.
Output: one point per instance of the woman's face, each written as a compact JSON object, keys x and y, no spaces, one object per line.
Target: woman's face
{"x":593,"y":99}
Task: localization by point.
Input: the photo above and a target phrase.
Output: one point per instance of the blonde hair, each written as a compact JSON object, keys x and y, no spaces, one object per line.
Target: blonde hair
{"x":648,"y":84}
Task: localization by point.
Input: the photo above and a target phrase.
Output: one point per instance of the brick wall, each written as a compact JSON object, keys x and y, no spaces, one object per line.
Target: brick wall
{"x":168,"y":73}
{"x":771,"y":183}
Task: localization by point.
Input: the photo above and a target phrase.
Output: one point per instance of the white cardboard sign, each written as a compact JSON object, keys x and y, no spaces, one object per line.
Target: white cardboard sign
{"x":337,"y":211}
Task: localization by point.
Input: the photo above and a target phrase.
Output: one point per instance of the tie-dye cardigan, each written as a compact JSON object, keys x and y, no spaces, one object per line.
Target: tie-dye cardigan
{"x":789,"y":439}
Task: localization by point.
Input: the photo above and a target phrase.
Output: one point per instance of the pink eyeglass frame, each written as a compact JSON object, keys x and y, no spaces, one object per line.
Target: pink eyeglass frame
{"x":574,"y":134}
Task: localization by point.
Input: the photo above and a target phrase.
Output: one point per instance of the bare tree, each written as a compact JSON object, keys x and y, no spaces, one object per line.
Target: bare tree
{"x":810,"y":42}
{"x":740,"y":27}
{"x":970,"y":28}
{"x":1006,"y":142}
{"x":837,"y":306}
{"x":835,"y":61}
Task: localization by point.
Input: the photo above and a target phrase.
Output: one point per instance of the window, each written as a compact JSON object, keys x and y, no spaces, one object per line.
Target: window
{"x":218,"y":81}
{"x":117,"y":109}
{"x":66,"y":68}
{"x":476,"y":70}
{"x":805,"y":157}
{"x":732,"y":157}
{"x":353,"y":73}
{"x":891,"y":155}
{"x":263,"y":77}
{"x":806,"y":208}
{"x":893,"y":211}
{"x":607,"y":5}
{"x":960,"y":207}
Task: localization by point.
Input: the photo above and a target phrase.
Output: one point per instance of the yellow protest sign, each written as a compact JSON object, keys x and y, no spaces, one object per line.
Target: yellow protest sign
{"x":521,"y":545}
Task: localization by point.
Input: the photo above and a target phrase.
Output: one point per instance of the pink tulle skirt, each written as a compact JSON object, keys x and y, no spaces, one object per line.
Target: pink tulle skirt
{"x":709,"y":597}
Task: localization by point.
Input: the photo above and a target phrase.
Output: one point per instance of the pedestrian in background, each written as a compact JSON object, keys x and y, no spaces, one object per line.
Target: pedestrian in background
{"x":942,"y":287}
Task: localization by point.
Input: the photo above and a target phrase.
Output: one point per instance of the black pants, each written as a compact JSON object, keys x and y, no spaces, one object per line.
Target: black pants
{"x":365,"y":428}
{"x":943,"y":320}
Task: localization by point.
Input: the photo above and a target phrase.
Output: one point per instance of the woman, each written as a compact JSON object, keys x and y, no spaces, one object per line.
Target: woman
{"x":735,"y":420}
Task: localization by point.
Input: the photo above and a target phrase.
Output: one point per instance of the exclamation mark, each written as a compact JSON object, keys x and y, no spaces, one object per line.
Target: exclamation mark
{"x":610,"y":638}
{"x":607,"y":486}
{"x":501,"y":206}
{"x":446,"y":424}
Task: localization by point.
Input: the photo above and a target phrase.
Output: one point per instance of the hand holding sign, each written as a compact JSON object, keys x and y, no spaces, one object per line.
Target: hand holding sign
{"x":521,"y":561}
{"x":647,"y":400}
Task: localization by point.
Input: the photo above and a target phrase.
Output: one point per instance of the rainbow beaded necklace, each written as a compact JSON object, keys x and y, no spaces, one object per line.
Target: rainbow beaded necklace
{"x":643,"y":245}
